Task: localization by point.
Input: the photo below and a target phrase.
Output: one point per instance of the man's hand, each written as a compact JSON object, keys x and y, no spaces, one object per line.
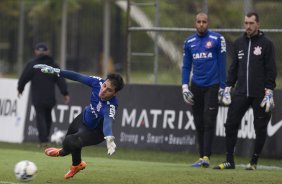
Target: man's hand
{"x":110,"y":144}
{"x":226,"y":98}
{"x":47,"y":69}
{"x":268,"y":101}
{"x":66,"y":99}
{"x":220,"y":95}
{"x":187,"y":95}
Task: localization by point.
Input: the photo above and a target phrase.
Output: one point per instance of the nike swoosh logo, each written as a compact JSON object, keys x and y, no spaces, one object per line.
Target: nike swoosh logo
{"x":193,"y":46}
{"x":272,"y":129}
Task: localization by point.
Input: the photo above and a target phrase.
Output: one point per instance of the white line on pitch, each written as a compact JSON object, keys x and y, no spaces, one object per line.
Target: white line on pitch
{"x":264,"y":167}
{"x":8,"y":182}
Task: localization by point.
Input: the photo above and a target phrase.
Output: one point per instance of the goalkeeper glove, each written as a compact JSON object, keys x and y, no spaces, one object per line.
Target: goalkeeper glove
{"x":226,"y":97}
{"x":111,"y":146}
{"x":187,"y":94}
{"x":220,"y":95}
{"x":48,"y":69}
{"x":268,"y":101}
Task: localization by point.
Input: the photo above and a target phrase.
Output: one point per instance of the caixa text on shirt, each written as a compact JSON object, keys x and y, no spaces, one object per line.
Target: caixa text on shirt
{"x":202,"y":55}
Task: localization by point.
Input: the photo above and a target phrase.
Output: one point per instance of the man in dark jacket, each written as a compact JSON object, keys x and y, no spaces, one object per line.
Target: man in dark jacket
{"x":253,"y":70}
{"x":42,"y":90}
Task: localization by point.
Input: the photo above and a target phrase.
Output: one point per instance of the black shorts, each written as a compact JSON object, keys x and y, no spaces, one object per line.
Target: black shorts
{"x":88,"y":136}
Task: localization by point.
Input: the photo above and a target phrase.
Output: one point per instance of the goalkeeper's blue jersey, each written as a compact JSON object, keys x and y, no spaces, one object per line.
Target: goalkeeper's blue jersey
{"x":98,"y":111}
{"x":205,"y":57}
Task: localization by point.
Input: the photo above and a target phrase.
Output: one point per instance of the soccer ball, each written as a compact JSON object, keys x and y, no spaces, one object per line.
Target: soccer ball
{"x":57,"y":137}
{"x":25,"y":170}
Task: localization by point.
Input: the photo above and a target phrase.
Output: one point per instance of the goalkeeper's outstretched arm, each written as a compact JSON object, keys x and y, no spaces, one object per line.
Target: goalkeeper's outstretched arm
{"x":65,"y":74}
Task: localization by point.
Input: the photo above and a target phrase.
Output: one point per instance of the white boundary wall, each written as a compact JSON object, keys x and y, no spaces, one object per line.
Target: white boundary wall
{"x":12,"y":111}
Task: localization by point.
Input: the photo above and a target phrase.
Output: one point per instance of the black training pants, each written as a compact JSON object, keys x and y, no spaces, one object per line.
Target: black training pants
{"x":237,"y":109}
{"x":43,"y":122}
{"x":205,"y":110}
{"x":78,"y":136}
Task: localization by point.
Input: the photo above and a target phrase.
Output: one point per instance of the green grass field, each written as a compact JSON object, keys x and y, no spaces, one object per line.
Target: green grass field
{"x":129,"y":166}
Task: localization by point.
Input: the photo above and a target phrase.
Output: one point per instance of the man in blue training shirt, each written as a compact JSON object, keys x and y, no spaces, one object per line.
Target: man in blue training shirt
{"x":205,"y":57}
{"x":94,"y":124}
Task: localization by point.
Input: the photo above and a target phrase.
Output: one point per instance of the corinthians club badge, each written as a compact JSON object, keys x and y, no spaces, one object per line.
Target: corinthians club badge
{"x":209,"y":44}
{"x":257,"y":50}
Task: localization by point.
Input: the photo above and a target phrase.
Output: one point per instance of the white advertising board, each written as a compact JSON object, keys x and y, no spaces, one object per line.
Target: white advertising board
{"x":12,"y":111}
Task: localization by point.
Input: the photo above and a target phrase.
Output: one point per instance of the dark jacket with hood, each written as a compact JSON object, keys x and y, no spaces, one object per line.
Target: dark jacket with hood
{"x":253,"y":68}
{"x":42,"y":85}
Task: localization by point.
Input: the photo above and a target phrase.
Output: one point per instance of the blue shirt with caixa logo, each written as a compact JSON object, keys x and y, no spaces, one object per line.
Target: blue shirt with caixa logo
{"x":98,"y":111}
{"x":205,"y":56}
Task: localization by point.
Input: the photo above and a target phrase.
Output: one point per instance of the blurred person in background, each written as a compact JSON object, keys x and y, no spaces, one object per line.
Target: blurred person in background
{"x":94,"y":124}
{"x":252,"y":74}
{"x":205,"y":58}
{"x":42,"y":90}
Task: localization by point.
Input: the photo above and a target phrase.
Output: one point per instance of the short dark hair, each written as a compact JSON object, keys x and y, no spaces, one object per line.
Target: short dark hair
{"x":253,"y":14}
{"x":116,"y":80}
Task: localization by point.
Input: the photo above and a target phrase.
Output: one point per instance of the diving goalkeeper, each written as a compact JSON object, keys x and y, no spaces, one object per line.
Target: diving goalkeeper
{"x":94,"y":124}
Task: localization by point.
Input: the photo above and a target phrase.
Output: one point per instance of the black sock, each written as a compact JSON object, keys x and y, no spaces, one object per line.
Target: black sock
{"x":254,"y":159}
{"x":229,"y":157}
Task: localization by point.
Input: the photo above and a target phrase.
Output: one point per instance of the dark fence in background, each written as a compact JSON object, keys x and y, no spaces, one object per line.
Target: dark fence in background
{"x":42,"y":22}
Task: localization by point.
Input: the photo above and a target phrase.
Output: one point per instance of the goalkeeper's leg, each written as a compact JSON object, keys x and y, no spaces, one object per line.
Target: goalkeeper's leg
{"x":53,"y":152}
{"x":236,"y":111}
{"x":261,"y":119}
{"x":75,"y":142}
{"x":75,"y":169}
